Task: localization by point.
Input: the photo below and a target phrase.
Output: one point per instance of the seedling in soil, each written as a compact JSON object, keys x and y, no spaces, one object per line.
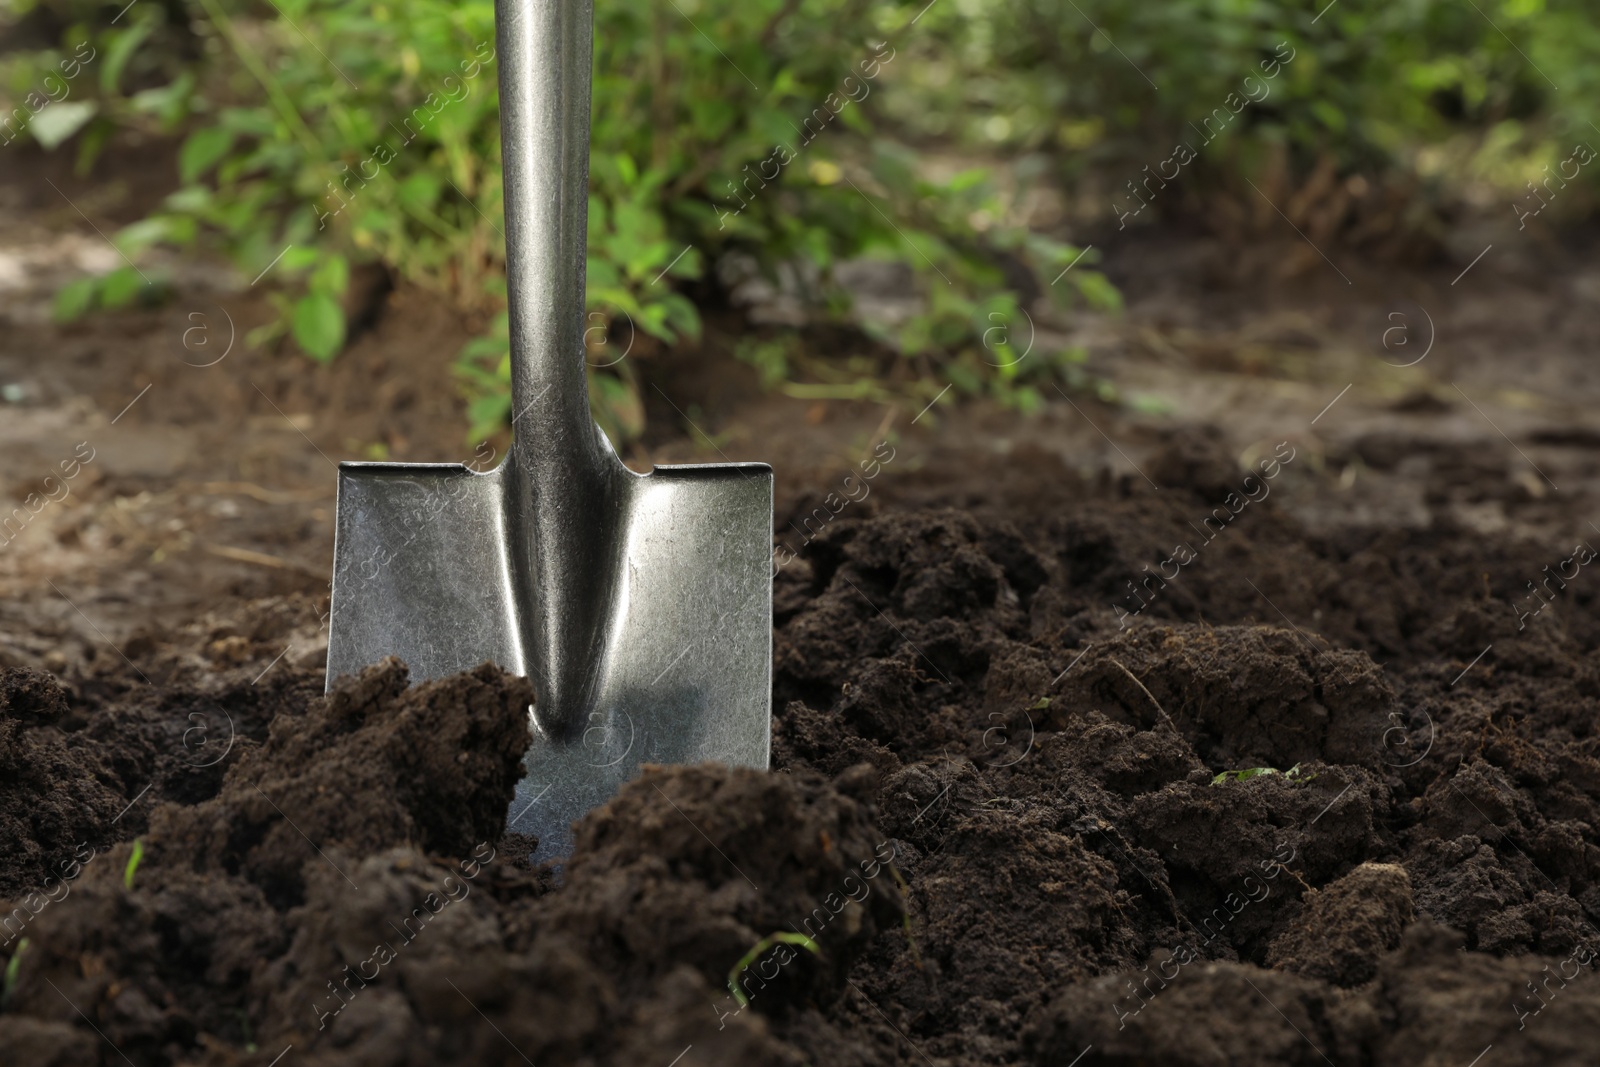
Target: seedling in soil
{"x":782,"y":936}
{"x":249,"y":1038}
{"x":1291,"y":774}
{"x":133,"y":862}
{"x":905,"y":915}
{"x":13,"y":969}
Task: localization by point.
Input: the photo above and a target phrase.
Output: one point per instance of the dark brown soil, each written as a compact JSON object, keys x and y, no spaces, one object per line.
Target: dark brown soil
{"x":959,"y":710}
{"x":297,"y":906}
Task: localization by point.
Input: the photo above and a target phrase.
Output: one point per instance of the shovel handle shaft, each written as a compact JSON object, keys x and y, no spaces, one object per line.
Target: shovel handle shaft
{"x":563,"y":481}
{"x":545,"y":49}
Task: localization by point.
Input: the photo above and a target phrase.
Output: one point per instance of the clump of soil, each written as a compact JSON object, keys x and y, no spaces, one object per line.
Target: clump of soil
{"x":1346,"y":926}
{"x":56,"y":793}
{"x":999,"y":811}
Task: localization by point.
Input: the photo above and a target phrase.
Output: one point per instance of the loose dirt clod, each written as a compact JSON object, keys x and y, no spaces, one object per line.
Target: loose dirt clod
{"x":1347,"y":926}
{"x":56,"y":792}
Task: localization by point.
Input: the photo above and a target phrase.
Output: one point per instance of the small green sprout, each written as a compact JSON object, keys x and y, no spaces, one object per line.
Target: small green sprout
{"x":905,"y":916}
{"x":133,"y":862}
{"x":1257,"y":772}
{"x":781,"y":937}
{"x":13,"y":970}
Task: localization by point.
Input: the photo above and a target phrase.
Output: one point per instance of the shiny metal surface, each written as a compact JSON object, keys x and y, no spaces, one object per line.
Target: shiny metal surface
{"x":639,"y":605}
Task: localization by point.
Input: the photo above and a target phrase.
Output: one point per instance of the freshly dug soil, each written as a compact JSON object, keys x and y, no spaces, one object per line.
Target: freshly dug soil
{"x":348,"y":893}
{"x":959,"y":710}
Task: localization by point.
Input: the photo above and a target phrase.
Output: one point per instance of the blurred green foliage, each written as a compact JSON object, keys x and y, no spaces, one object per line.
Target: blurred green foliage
{"x":798,"y":135}
{"x":1464,"y":88}
{"x":350,"y":134}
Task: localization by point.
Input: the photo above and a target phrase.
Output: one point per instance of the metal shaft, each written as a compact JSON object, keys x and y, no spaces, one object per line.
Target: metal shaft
{"x":544,"y":53}
{"x":562,"y":536}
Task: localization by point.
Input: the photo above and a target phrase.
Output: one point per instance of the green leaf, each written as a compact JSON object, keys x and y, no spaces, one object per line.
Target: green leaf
{"x":480,"y":347}
{"x":191,"y":199}
{"x":76,"y":298}
{"x":94,"y":138}
{"x":182,"y":230}
{"x":167,"y":102}
{"x":332,"y":277}
{"x":1245,"y":775}
{"x":298,"y":259}
{"x":682,"y":315}
{"x":626,"y":168}
{"x":1149,"y":404}
{"x":781,"y":937}
{"x":201,"y":151}
{"x":421,"y":190}
{"x":250,"y":121}
{"x":488,"y":414}
{"x":318,"y":326}
{"x":967,"y":179}
{"x":1331,"y":116}
{"x":131,"y":240}
{"x":121,"y":50}
{"x":13,"y":970}
{"x":601,"y":274}
{"x":119,"y":288}
{"x":133,"y":862}
{"x":56,"y":123}
{"x":687,"y":266}
{"x":1097,"y":290}
{"x":769,"y":358}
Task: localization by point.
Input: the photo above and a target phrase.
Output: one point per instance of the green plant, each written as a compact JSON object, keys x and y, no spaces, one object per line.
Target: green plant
{"x":772,"y":357}
{"x":13,"y":971}
{"x":905,"y":895}
{"x":1291,"y":774}
{"x":1433,"y":88}
{"x":735,"y":127}
{"x":249,"y":1036}
{"x":133,"y":862}
{"x":782,"y":937}
{"x":117,"y":65}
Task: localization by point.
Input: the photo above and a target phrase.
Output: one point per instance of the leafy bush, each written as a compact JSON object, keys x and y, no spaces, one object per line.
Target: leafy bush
{"x":1433,"y":89}
{"x":340,"y":134}
{"x":108,"y":65}
{"x":755,"y":131}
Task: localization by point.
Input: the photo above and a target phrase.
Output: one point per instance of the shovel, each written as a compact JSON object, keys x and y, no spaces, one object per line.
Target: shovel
{"x":640,"y":606}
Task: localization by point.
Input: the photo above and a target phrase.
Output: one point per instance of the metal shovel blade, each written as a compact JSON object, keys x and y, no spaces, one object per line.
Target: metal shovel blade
{"x":639,"y":605}
{"x":425,"y":571}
